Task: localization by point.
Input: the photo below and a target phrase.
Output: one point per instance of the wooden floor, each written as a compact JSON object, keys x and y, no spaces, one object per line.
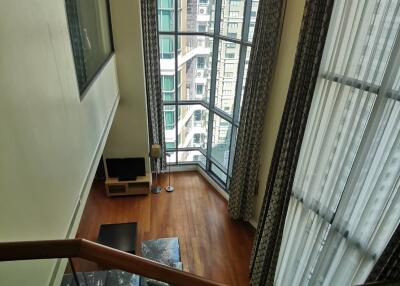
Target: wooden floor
{"x":212,"y":245}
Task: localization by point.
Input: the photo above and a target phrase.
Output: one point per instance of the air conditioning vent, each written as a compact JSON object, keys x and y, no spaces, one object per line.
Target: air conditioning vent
{"x":202,"y":11}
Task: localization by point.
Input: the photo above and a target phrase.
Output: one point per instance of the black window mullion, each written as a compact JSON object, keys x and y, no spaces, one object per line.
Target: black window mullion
{"x":214,"y":36}
{"x":176,"y":78}
{"x":232,"y":147}
{"x":246,"y":21}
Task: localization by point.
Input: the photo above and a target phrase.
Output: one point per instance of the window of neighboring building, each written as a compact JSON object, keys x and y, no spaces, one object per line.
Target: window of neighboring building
{"x":197,"y":115}
{"x":199,"y":88}
{"x":232,"y":27}
{"x":201,"y":28}
{"x":201,"y":62}
{"x":91,"y":37}
{"x":234,"y":14}
{"x":169,"y":145}
{"x":167,"y":87}
{"x":166,"y":47}
{"x":196,"y":138}
{"x":233,"y":36}
{"x":165,"y":15}
{"x":230,"y":55}
{"x":169,"y":117}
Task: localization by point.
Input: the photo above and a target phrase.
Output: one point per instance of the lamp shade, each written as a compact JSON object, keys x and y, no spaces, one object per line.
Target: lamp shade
{"x":155,"y":151}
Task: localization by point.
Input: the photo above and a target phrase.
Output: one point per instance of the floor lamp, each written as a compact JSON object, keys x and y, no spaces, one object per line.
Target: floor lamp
{"x":169,"y":188}
{"x":155,"y":154}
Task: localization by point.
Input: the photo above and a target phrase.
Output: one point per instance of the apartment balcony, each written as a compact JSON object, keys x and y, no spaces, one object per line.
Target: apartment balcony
{"x":198,"y":51}
{"x":167,"y":66}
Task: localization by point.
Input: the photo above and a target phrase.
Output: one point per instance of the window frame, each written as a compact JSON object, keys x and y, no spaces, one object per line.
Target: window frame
{"x":173,"y":125}
{"x":203,"y":62}
{"x":233,"y":117}
{"x":90,"y":80}
{"x":197,"y":85}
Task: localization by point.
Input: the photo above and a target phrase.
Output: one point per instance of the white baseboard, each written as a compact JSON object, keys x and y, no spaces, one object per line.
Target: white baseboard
{"x":213,"y":183}
{"x":182,"y":168}
{"x":59,"y":267}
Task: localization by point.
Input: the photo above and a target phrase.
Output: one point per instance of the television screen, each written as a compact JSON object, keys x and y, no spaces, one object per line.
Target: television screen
{"x":136,"y":164}
{"x":114,"y":167}
{"x":125,"y":169}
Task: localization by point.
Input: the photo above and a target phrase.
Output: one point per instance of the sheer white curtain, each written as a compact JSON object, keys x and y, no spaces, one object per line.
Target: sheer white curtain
{"x":345,"y":201}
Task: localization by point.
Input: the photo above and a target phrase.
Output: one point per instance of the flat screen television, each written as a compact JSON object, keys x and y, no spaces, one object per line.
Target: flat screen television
{"x":125,"y":169}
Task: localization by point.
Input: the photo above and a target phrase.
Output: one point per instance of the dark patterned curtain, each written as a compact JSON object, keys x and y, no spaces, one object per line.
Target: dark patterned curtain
{"x":287,"y":149}
{"x":387,"y":268}
{"x":76,"y":40}
{"x":261,"y":67}
{"x":152,"y":69}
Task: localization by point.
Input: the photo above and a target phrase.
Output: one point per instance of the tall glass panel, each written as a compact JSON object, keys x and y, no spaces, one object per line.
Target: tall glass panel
{"x":167,"y":67}
{"x":221,"y":140}
{"x":196,"y":15}
{"x":219,"y":173}
{"x":253,"y":17}
{"x":192,"y":156}
{"x":192,"y":126}
{"x":227,"y":72}
{"x":166,"y":15}
{"x":170,"y":126}
{"x":203,"y":74}
{"x":246,"y":66}
{"x":232,"y":12}
{"x":168,"y":87}
{"x":167,"y":50}
{"x":194,"y":65}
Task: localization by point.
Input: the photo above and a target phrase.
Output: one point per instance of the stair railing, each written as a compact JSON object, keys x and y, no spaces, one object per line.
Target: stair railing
{"x":82,"y":248}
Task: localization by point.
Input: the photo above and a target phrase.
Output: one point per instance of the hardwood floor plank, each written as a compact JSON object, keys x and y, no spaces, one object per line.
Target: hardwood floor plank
{"x":212,"y":244}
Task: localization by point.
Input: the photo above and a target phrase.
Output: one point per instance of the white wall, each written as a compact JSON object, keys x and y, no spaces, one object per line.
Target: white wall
{"x":49,"y":138}
{"x":129,"y":132}
{"x":279,"y":89}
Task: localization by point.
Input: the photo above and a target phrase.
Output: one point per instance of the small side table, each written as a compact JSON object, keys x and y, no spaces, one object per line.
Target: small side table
{"x":121,"y":236}
{"x":140,"y":186}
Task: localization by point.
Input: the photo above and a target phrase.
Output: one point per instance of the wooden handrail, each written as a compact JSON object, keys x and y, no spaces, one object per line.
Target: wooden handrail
{"x":48,"y":249}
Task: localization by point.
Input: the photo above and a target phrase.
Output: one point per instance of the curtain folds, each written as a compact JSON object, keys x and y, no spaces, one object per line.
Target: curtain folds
{"x":261,"y":67}
{"x":287,"y":149}
{"x":344,"y":200}
{"x":153,"y":77}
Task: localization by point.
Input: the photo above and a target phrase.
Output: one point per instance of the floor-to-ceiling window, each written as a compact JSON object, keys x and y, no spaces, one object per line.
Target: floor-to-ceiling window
{"x":204,"y":53}
{"x":345,"y":200}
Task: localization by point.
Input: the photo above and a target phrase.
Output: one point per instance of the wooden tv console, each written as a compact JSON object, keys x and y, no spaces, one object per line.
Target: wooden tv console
{"x":140,"y":186}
